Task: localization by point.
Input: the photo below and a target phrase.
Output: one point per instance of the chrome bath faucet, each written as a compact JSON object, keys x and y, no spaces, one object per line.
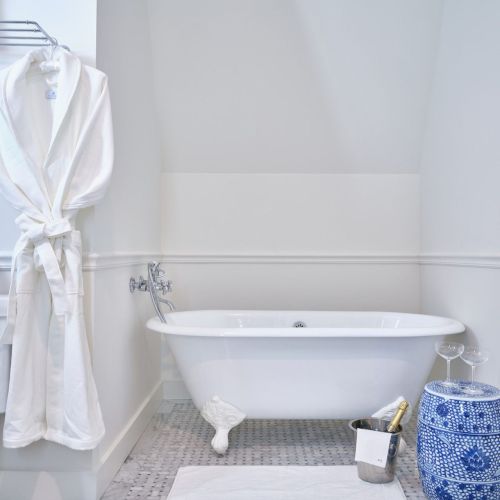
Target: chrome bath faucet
{"x":155,"y":283}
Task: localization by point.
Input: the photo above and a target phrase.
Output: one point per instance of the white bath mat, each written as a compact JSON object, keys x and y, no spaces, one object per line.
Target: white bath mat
{"x":278,"y":483}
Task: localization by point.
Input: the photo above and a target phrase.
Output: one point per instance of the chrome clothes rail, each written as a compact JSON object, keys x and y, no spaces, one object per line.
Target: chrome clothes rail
{"x":25,"y":34}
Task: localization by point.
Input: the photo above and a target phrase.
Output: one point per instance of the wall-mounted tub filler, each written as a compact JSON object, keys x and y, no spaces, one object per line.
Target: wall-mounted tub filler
{"x":155,"y":282}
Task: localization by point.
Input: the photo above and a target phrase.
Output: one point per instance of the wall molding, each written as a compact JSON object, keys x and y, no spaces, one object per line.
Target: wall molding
{"x":100,"y":261}
{"x":490,"y":261}
{"x":454,"y":260}
{"x":289,"y":259}
{"x":114,"y":260}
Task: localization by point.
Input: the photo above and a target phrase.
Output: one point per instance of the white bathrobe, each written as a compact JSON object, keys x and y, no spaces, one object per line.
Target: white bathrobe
{"x":56,"y":156}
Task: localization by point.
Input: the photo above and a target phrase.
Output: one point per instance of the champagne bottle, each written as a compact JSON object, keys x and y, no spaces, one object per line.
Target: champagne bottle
{"x":396,"y":419}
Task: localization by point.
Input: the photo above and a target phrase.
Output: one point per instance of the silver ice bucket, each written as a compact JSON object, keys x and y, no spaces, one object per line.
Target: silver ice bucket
{"x":373,"y":473}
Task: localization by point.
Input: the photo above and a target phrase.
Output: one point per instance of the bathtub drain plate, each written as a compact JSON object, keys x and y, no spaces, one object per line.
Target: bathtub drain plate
{"x":299,"y":324}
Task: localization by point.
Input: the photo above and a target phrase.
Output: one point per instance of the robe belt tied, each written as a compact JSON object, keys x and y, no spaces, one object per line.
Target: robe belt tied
{"x":46,"y":237}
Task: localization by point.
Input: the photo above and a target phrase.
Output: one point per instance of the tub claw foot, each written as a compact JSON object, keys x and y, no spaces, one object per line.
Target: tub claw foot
{"x":222,"y":416}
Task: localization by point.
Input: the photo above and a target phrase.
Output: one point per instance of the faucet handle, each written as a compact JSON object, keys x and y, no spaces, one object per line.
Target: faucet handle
{"x":139,"y":284}
{"x":165,"y":286}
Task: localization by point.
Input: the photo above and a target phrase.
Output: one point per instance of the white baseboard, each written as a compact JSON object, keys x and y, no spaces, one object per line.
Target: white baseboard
{"x":112,"y":459}
{"x":175,"y":389}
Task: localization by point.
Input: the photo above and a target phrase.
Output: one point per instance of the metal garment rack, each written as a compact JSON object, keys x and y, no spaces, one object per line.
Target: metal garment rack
{"x":26,"y":34}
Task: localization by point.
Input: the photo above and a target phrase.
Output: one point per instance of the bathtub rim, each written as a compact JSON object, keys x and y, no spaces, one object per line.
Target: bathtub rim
{"x":451,"y":327}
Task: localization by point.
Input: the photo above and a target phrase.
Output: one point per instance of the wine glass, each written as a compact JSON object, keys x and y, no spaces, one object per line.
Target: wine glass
{"x":449,"y":351}
{"x":474,"y":356}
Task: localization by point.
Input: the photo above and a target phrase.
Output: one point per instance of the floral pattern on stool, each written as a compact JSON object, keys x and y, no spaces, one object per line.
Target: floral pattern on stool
{"x":458,"y":442}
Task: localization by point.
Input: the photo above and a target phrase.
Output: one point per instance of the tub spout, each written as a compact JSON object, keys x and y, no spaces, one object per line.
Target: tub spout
{"x":169,"y":304}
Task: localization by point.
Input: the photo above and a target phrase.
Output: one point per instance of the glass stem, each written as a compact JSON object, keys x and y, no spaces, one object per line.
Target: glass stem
{"x":472,"y":376}
{"x":448,"y":370}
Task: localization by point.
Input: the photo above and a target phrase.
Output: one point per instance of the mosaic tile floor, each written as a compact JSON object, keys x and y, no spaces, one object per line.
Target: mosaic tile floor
{"x":178,"y":436}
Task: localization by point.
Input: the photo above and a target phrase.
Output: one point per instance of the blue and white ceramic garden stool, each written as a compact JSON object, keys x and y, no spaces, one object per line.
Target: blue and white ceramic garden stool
{"x":458,"y":442}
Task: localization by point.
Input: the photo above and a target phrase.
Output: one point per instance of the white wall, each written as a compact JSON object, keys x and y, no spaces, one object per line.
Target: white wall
{"x":290,"y":214}
{"x":128,"y":218}
{"x":292,"y":241}
{"x":292,"y":86}
{"x":460,"y":178}
{"x":124,"y":232}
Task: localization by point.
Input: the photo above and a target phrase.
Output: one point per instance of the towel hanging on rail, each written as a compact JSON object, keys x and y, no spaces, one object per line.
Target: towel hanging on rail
{"x":56,"y":156}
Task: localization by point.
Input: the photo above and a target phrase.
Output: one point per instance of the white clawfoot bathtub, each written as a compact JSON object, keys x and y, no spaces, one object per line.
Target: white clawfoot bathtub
{"x":300,"y":364}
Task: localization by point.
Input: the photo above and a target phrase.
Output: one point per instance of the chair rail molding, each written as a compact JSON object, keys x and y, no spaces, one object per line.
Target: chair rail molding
{"x":110,"y":260}
{"x":305,"y":258}
{"x":100,"y":261}
{"x":489,"y":261}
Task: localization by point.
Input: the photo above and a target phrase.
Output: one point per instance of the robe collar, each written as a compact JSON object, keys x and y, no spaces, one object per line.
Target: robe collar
{"x":15,"y":83}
